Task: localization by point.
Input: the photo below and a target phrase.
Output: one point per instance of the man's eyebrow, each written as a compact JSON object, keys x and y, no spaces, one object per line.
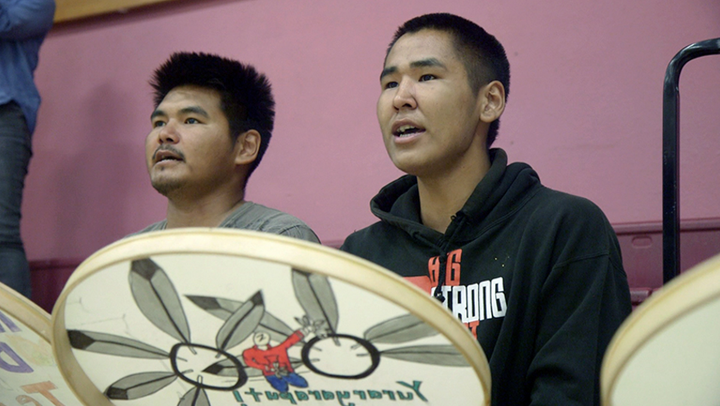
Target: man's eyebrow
{"x":187,"y":110}
{"x":196,"y":110}
{"x":157,"y":113}
{"x":423,"y":63}
{"x":387,"y":71}
{"x":429,"y":62}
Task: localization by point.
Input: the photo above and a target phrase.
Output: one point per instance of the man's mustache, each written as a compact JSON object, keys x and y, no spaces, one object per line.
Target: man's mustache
{"x":169,"y":148}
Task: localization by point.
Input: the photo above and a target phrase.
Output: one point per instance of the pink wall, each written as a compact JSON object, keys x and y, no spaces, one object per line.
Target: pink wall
{"x":584,"y":109}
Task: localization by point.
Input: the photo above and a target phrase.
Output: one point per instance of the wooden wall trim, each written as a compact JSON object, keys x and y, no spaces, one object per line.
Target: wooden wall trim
{"x":709,"y":224}
{"x":67,"y":10}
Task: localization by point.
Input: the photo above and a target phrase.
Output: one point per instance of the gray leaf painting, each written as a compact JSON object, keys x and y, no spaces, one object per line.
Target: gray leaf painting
{"x":113,"y":345}
{"x":157,"y":299}
{"x":428,"y":354}
{"x":316,"y":297}
{"x":241,"y":323}
{"x":399,"y":330}
{"x":195,"y":397}
{"x":224,"y":308}
{"x":139,"y":385}
{"x":223,"y":368}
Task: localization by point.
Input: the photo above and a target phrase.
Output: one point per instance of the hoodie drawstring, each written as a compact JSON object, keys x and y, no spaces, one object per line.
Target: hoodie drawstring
{"x":443,"y":257}
{"x":441,"y":278}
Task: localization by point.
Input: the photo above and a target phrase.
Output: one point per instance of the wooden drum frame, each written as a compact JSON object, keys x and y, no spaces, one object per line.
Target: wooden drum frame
{"x":668,"y":351}
{"x":172,"y":317}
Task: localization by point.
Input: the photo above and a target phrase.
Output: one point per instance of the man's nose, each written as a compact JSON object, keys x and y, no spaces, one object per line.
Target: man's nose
{"x":405,"y":95}
{"x":169,"y":133}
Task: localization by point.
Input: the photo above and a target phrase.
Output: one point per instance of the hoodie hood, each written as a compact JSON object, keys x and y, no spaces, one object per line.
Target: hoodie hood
{"x":502,"y":191}
{"x":535,"y":275}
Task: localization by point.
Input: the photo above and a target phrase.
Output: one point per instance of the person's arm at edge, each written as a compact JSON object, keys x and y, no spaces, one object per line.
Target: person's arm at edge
{"x":26,"y":18}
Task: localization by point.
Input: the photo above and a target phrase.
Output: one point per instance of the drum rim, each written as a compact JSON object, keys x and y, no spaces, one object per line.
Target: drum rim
{"x":656,"y":314}
{"x":23,"y":309}
{"x":258,"y":246}
{"x":31,"y":316}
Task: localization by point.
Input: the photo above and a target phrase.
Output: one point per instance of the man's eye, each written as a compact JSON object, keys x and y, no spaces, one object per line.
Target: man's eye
{"x":192,"y":121}
{"x":390,"y":85}
{"x":158,"y":123}
{"x":424,"y":78}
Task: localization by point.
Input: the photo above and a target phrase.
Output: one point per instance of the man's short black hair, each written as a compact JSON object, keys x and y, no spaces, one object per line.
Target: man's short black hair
{"x":481,"y":53}
{"x":245,"y":94}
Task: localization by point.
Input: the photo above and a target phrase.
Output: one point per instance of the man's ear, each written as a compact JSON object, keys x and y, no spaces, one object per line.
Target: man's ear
{"x":492,"y":101}
{"x":247,"y":146}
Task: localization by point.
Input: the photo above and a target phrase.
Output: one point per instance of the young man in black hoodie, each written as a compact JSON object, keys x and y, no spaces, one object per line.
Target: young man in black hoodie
{"x":535,"y":274}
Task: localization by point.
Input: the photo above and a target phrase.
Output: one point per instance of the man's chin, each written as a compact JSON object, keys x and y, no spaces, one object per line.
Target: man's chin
{"x":410,"y":166}
{"x":166,"y":187}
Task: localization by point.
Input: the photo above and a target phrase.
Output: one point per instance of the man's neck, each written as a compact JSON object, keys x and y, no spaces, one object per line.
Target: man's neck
{"x":206,"y":211}
{"x":441,"y":197}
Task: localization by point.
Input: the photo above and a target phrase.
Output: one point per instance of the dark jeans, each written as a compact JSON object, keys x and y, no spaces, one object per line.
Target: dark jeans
{"x":15,"y":152}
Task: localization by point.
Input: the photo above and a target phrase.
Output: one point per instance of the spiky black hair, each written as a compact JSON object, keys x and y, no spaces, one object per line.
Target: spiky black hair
{"x":245,"y":94}
{"x":482,"y":54}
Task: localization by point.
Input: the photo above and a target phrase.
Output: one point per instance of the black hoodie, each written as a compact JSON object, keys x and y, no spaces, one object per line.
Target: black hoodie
{"x":535,"y":274}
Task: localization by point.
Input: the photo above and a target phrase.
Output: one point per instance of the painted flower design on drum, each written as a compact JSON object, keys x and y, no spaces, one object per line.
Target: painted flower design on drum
{"x":344,"y":356}
{"x":204,"y":367}
{"x":330,"y":353}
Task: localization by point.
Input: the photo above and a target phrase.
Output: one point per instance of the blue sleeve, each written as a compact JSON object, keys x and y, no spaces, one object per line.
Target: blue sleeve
{"x":22,"y":19}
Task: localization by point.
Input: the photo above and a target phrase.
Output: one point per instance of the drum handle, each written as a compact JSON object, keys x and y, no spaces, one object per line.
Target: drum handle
{"x":671,"y":122}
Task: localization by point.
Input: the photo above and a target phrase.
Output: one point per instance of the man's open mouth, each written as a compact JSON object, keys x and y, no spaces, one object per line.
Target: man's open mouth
{"x":407,"y":130}
{"x":162,"y":155}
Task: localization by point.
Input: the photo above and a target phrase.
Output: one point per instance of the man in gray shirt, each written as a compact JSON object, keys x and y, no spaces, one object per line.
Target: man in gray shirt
{"x":212,"y":123}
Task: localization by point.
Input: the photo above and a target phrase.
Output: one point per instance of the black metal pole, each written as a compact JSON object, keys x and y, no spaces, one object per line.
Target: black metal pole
{"x":671,"y":146}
